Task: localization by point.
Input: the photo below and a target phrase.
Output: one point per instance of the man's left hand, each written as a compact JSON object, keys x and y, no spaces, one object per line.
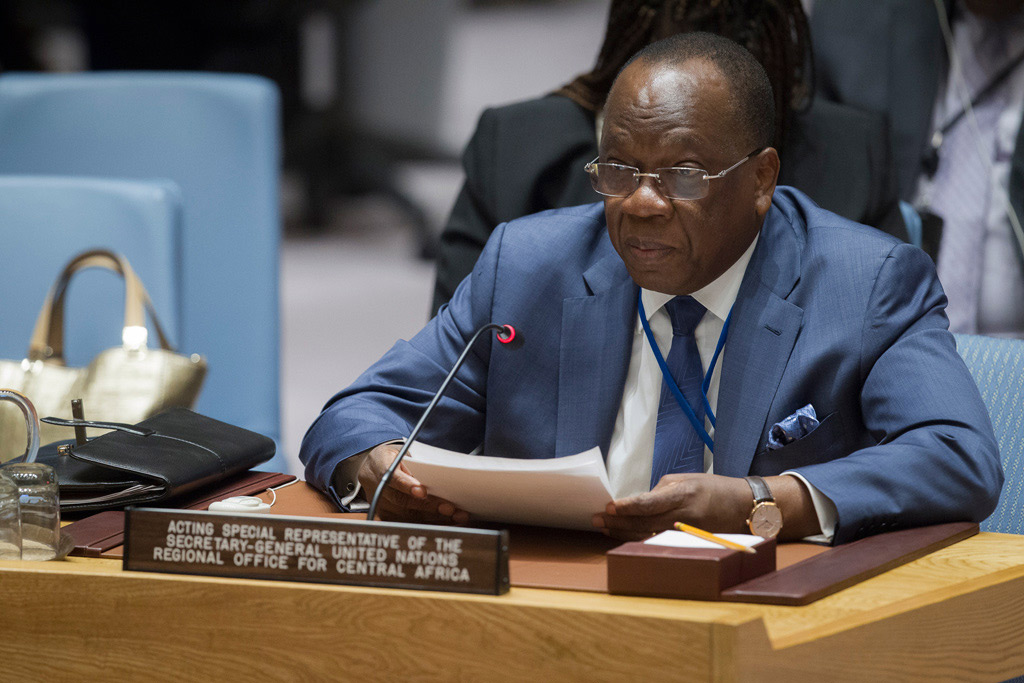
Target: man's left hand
{"x":708,"y":501}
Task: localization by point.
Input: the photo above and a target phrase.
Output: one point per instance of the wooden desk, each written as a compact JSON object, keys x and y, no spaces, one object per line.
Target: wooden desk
{"x":956,"y":613}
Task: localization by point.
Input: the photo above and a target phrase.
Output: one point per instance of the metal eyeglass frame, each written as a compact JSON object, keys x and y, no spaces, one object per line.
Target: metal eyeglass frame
{"x":656,"y":175}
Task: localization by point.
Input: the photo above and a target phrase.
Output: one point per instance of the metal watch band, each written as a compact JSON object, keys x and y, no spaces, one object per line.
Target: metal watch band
{"x":762,"y":494}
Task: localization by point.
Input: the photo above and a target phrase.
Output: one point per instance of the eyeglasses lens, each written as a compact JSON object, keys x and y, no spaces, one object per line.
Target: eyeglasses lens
{"x":684,"y":183}
{"x":613,"y":180}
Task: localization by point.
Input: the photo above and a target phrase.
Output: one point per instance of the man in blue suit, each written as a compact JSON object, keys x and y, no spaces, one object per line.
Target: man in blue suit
{"x":812,"y":309}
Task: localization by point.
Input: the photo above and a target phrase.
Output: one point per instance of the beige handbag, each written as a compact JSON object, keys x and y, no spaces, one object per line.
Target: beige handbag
{"x":128,"y":383}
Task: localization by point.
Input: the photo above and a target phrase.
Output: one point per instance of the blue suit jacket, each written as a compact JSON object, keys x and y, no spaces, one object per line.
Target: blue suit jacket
{"x":829,"y":312}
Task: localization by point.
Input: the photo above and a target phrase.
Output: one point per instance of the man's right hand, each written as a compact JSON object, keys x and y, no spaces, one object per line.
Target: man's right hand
{"x":405,"y":499}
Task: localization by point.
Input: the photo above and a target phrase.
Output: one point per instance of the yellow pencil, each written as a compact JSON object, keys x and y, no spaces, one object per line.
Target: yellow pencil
{"x":700,"y":533}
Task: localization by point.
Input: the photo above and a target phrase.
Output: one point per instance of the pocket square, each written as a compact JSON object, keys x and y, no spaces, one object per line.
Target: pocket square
{"x":796,"y":426}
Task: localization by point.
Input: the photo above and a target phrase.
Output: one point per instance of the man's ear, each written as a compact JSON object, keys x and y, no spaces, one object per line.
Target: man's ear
{"x":766,"y":174}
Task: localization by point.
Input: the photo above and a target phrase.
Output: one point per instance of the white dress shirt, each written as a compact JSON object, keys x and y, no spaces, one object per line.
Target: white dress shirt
{"x":631,"y":453}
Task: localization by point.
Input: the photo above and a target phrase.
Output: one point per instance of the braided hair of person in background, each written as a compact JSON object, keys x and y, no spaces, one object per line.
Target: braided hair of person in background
{"x":776,"y":32}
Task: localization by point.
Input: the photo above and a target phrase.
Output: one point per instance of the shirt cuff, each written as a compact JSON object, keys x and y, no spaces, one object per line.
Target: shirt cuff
{"x":345,"y":489}
{"x":824,"y":508}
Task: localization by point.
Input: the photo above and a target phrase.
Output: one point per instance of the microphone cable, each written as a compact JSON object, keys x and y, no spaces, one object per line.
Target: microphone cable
{"x":509,"y":333}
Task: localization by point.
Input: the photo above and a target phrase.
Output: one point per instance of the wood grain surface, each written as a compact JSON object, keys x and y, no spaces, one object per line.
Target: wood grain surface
{"x":957,"y":614}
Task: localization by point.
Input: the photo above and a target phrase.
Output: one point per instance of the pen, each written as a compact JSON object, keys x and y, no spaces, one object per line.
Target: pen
{"x":700,"y":533}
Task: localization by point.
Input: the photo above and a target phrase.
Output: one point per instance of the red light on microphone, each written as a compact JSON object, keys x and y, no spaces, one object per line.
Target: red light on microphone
{"x":510,"y":334}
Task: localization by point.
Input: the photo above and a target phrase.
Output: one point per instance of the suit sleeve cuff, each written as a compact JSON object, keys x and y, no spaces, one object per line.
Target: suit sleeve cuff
{"x":344,"y":489}
{"x":824,"y":508}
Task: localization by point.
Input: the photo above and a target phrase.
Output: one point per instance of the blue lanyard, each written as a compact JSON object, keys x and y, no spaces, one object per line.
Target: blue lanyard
{"x":670,"y":381}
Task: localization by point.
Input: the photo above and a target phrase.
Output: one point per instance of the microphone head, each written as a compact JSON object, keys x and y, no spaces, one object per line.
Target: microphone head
{"x":508,"y":335}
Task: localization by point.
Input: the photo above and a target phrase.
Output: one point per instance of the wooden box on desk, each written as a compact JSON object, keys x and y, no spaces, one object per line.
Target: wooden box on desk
{"x":659,"y":571}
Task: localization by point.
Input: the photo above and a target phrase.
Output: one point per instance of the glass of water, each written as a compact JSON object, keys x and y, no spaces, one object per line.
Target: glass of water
{"x":38,"y":498}
{"x":40,"y":509}
{"x":10,"y":518}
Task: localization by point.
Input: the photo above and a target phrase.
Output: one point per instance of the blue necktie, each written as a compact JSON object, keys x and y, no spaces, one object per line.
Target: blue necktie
{"x":677,"y":446}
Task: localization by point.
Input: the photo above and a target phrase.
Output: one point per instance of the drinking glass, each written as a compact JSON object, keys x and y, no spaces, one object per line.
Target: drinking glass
{"x":10,"y":518}
{"x":39,"y":500}
{"x":40,"y":509}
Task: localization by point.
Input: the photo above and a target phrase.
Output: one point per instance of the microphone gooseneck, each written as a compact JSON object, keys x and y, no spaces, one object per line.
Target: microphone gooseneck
{"x":506,"y":334}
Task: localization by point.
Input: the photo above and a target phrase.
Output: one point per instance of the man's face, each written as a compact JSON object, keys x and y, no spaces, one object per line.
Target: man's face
{"x":659,"y":116}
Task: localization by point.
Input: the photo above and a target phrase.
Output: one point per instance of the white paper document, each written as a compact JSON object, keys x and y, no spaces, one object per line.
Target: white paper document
{"x":681,"y":539}
{"x":560,"y":492}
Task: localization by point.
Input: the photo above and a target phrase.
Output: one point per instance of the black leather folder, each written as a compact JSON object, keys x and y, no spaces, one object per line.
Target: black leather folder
{"x":160,"y":458}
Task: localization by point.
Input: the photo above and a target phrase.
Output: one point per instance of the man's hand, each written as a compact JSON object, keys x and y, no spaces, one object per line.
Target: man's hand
{"x":405,"y":499}
{"x":709,"y":501}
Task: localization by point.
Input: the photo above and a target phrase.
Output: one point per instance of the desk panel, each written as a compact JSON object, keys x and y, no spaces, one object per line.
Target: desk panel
{"x":958,"y":612}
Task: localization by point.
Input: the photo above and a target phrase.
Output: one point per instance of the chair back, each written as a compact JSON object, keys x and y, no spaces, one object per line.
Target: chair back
{"x":998,"y":368}
{"x":45,"y":220}
{"x":215,"y":135}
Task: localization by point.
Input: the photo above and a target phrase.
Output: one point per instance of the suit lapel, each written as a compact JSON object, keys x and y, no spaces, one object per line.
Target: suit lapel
{"x":596,"y":343}
{"x":763,"y":331}
{"x":597,"y":338}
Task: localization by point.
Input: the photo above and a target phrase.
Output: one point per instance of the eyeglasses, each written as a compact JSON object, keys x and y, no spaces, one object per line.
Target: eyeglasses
{"x":617,"y":180}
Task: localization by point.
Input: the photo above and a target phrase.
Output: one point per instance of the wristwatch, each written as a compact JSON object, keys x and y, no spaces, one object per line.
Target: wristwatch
{"x":765,"y":518}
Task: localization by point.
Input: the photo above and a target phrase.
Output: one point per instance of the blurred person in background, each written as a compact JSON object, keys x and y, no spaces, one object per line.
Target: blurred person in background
{"x":948,"y":75}
{"x":528,"y":156}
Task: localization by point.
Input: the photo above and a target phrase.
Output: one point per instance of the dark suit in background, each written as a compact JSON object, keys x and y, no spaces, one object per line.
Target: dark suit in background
{"x":529,"y":157}
{"x":887,"y":57}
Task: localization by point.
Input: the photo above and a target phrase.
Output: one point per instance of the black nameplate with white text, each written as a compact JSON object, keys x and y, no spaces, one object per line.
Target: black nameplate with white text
{"x":358,"y":553}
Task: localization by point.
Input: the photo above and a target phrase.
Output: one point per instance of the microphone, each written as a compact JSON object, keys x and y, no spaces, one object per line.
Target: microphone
{"x":506,"y":334}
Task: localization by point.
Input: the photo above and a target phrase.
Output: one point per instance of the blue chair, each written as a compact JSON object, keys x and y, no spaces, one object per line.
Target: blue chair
{"x":912,"y":219}
{"x":998,"y":367}
{"x":45,"y":221}
{"x":217,"y":137}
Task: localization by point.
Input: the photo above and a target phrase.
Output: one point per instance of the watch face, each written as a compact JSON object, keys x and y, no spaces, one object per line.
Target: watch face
{"x":766,"y":520}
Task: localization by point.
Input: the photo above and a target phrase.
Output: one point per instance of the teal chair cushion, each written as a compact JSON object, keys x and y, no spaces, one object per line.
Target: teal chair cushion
{"x":998,"y":367}
{"x":216,"y":136}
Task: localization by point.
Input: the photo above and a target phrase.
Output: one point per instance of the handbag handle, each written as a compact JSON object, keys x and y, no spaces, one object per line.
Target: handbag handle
{"x":31,"y":420}
{"x":47,"y":341}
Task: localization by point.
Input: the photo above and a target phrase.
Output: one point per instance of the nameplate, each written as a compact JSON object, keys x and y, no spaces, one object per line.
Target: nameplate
{"x":357,"y":553}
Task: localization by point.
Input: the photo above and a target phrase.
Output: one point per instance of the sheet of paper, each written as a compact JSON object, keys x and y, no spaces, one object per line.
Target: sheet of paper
{"x":559,"y":492}
{"x":681,"y":539}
